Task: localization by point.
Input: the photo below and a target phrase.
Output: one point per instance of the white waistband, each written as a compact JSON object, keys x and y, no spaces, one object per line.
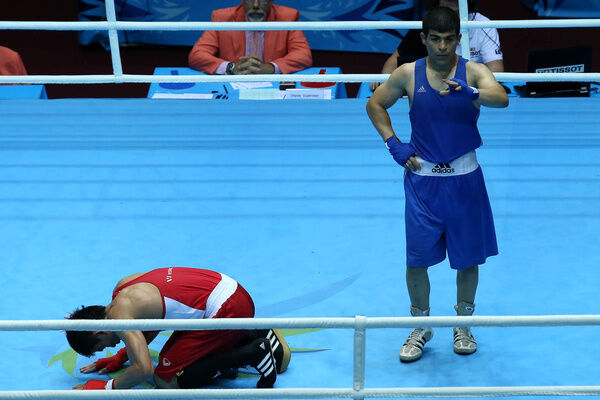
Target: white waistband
{"x":460,"y":166}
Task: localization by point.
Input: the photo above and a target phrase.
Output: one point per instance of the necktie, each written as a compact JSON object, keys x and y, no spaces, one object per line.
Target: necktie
{"x":256,"y":45}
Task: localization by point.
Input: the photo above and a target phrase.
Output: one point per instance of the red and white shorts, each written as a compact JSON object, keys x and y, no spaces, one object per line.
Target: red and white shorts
{"x":185,"y":347}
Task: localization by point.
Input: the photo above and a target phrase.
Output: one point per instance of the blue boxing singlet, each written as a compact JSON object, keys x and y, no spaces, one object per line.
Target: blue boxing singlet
{"x":443,"y":127}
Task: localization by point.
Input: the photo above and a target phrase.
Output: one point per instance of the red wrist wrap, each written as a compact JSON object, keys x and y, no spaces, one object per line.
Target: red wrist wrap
{"x":95,"y":384}
{"x":113,"y":363}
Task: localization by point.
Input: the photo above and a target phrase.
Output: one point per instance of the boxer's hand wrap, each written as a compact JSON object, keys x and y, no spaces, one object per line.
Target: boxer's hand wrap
{"x":467,"y":91}
{"x":400,"y":151}
{"x":97,"y":384}
{"x":113,"y":363}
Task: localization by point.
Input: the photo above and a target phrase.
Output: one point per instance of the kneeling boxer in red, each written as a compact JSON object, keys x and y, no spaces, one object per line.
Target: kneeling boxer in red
{"x":189,"y":359}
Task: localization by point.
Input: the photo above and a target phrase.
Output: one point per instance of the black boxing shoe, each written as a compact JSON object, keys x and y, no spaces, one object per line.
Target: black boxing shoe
{"x":265,"y":364}
{"x":281,"y":350}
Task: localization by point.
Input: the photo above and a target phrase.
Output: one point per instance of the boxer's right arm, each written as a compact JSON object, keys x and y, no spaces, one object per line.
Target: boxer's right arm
{"x":384,"y":97}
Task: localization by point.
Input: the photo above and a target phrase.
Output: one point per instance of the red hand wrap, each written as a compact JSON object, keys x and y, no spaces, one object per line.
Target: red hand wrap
{"x":113,"y":363}
{"x":95,"y":384}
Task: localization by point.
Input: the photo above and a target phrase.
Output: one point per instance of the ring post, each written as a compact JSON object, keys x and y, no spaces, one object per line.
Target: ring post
{"x":465,"y":48}
{"x":360,"y":331}
{"x":113,"y":39}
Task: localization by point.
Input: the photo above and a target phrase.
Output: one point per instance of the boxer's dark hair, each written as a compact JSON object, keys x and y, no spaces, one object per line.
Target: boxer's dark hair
{"x":84,"y":342}
{"x":441,"y":19}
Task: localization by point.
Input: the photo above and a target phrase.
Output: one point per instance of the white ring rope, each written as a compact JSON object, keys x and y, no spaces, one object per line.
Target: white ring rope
{"x":127,"y":78}
{"x":308,"y":393}
{"x":113,"y":26}
{"x":284,"y":26}
{"x":261,"y":323}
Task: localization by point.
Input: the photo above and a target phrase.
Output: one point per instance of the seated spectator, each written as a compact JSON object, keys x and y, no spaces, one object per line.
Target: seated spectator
{"x":11,"y":63}
{"x":484,"y":43}
{"x":252,"y":52}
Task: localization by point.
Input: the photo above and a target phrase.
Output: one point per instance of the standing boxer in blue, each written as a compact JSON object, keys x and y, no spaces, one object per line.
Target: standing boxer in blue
{"x":447,"y":207}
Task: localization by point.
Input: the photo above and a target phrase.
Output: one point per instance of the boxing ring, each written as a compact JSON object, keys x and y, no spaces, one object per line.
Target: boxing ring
{"x":299,"y":202}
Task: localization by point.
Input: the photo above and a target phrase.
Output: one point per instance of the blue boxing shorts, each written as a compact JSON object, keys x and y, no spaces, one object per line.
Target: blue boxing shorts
{"x":448,"y":210}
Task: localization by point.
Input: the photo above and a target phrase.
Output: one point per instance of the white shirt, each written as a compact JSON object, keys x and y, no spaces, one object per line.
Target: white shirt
{"x":485,"y":42}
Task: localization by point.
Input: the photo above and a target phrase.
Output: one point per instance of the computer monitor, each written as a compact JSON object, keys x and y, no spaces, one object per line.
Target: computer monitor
{"x":572,"y":59}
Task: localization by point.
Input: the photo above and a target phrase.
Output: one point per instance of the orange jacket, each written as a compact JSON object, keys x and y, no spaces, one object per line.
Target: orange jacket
{"x":10,"y":62}
{"x":288,"y":49}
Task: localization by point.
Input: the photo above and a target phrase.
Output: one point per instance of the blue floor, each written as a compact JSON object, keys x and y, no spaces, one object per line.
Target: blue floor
{"x":301,"y":203}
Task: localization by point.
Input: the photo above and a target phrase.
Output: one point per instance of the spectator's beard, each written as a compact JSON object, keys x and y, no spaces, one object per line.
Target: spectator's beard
{"x":256,"y":15}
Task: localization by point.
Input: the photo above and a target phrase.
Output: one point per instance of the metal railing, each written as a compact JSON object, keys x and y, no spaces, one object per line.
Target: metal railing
{"x":359,"y":324}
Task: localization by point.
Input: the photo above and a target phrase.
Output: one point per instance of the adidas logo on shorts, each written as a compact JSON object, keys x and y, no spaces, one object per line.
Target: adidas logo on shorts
{"x":442,"y":168}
